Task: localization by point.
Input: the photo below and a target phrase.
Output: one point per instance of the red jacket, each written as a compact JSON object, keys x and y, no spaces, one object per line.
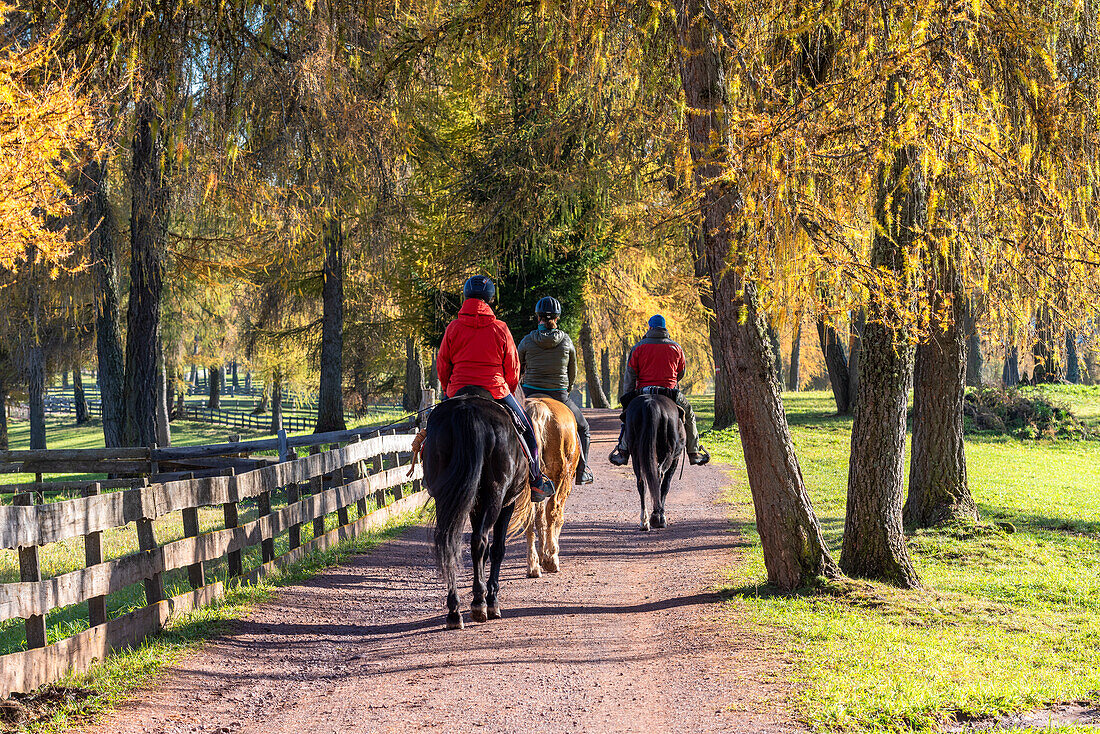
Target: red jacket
{"x":477,"y":349}
{"x":655,"y":361}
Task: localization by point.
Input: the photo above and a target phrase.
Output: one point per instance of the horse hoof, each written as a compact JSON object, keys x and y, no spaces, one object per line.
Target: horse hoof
{"x":454,"y":621}
{"x":657,"y":521}
{"x":534,"y":573}
{"x":477,"y":613}
{"x":550,"y":566}
{"x":494,"y":612}
{"x":644,"y":527}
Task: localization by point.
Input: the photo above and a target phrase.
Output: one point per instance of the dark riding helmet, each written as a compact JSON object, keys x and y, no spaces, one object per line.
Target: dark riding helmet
{"x":479,"y":286}
{"x":549,"y":307}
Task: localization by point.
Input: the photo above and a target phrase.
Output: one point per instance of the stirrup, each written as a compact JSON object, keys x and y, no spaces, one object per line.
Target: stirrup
{"x":542,"y":491}
{"x":699,"y":458}
{"x":585,"y":477}
{"x":619,"y":457}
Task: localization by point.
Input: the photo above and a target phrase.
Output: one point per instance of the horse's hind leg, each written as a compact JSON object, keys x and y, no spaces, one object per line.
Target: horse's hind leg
{"x":659,"y":502}
{"x":534,"y":570}
{"x":644,"y":522}
{"x":479,"y":548}
{"x":500,"y":537}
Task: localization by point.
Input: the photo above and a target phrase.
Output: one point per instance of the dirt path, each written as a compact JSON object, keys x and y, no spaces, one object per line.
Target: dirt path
{"x":627,"y":638}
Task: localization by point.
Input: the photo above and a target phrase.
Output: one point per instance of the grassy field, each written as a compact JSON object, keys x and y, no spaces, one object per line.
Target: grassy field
{"x":1008,"y":620}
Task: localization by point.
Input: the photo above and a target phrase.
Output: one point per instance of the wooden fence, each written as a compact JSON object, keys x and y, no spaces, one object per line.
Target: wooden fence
{"x":314,"y":486}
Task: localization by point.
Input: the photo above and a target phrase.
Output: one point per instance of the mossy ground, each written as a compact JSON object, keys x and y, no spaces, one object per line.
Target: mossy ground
{"x":1007,"y":620}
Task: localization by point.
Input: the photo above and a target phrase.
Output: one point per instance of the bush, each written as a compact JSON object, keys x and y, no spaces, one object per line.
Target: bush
{"x":1035,"y":415}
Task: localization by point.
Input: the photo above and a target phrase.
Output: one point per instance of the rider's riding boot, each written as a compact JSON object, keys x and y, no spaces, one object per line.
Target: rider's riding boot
{"x":697,"y":455}
{"x":584,"y":475}
{"x":541,"y":488}
{"x":619,"y":457}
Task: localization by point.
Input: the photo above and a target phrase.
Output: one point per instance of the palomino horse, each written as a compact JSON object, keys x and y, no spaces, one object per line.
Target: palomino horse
{"x":474,"y":467}
{"x":556,"y":431}
{"x":655,"y":439}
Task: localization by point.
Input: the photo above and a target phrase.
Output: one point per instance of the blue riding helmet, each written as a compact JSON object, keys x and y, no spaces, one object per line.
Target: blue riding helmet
{"x":549,"y":307}
{"x":481,"y":287}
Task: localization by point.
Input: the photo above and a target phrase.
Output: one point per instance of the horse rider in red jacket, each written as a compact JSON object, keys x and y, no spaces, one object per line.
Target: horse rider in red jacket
{"x":478,"y":350}
{"x":657,"y":364}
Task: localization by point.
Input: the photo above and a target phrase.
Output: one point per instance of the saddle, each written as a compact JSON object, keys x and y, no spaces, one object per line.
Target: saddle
{"x":668,"y":392}
{"x":473,"y":391}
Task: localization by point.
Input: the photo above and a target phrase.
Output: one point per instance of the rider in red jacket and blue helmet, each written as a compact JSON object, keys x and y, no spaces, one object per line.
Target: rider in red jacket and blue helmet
{"x":658,"y":363}
{"x":478,"y":350}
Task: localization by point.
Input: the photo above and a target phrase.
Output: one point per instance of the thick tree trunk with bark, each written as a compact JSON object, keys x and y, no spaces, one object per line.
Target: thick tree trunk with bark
{"x":591,"y":368}
{"x":148,"y":230}
{"x":236,"y":380}
{"x":1047,"y":370}
{"x":35,"y":367}
{"x":793,"y":380}
{"x":938,"y":489}
{"x":261,"y":407}
{"x":276,"y":400}
{"x":79,"y":399}
{"x":1073,"y":364}
{"x":794,"y":550}
{"x":874,"y":542}
{"x":104,"y":241}
{"x":605,"y":371}
{"x":330,"y":398}
{"x":855,"y":348}
{"x":724,"y":414}
{"x":836,"y":364}
{"x":214,"y":396}
{"x":1010,"y":373}
{"x":414,"y":376}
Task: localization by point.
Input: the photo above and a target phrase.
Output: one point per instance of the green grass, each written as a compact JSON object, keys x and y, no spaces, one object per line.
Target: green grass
{"x":111,"y":681}
{"x":1007,"y":621}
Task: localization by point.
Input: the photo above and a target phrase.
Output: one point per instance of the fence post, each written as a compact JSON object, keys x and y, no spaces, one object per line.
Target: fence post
{"x":195,"y":574}
{"x":294,"y":534}
{"x":317,"y":486}
{"x":339,"y":479}
{"x":147,"y":541}
{"x":229,"y":512}
{"x":29,"y":571}
{"x":267,"y":544}
{"x":380,"y":493}
{"x":93,"y":555}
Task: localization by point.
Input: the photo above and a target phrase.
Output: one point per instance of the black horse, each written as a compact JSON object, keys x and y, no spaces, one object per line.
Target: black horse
{"x":655,"y":439}
{"x":474,"y":467}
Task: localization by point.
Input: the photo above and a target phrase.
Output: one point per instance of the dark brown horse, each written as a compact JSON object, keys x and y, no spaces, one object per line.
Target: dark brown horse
{"x":474,"y":467}
{"x":655,"y":440}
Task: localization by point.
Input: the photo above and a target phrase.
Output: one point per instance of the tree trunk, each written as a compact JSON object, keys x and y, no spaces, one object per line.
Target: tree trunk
{"x":1047,"y":370}
{"x":330,"y":398}
{"x":414,"y":376}
{"x":79,"y":399}
{"x":3,"y":413}
{"x":36,"y":393}
{"x":148,"y":230}
{"x":193,"y":378}
{"x":1010,"y":374}
{"x":591,"y":368}
{"x":836,"y":363}
{"x":261,"y":407}
{"x":605,"y":371}
{"x":724,"y":414}
{"x":794,"y":550}
{"x":64,"y":380}
{"x":623,"y":359}
{"x":973,"y":343}
{"x":164,"y":429}
{"x":777,"y":353}
{"x":938,"y":490}
{"x":433,"y":374}
{"x":1073,"y":365}
{"x":103,"y":239}
{"x":855,"y":347}
{"x":214,"y":398}
{"x":236,"y":380}
{"x":276,"y":400}
{"x":874,"y":542}
{"x":796,"y":355}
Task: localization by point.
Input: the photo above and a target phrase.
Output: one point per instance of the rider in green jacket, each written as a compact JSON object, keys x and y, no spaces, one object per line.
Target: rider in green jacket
{"x":548,"y":367}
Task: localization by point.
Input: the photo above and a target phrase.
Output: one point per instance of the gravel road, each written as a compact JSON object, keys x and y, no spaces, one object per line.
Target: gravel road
{"x":628,"y":637}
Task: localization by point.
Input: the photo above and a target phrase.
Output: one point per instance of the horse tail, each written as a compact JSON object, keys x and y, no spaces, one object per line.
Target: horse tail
{"x":644,"y":446}
{"x":455,"y":489}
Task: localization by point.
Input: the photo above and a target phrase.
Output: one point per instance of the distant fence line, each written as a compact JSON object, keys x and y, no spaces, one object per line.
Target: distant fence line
{"x":314,"y":486}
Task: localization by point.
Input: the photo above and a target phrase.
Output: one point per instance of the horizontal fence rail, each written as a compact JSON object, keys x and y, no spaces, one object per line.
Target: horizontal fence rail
{"x":315,"y":487}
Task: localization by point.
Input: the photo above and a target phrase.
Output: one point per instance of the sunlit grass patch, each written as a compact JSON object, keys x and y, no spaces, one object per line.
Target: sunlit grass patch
{"x":1009,"y":618}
